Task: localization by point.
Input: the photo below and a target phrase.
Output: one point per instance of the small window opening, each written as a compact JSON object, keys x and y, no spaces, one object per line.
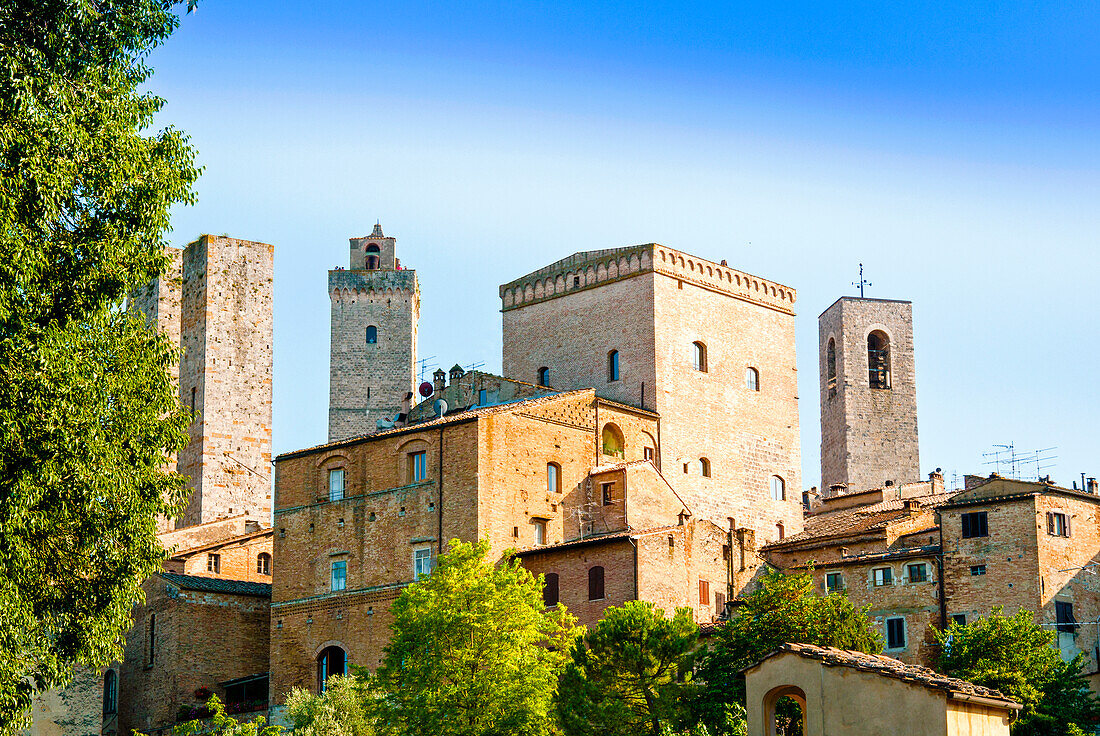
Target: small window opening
{"x":779,"y":488}
{"x":422,"y":563}
{"x":550,"y":589}
{"x":263,"y":564}
{"x":553,"y":478}
{"x":830,"y":367}
{"x":895,"y":633}
{"x":336,"y":484}
{"x":595,"y":583}
{"x":975,"y":524}
{"x":339,"y":575}
{"x":882,"y":576}
{"x":704,"y":467}
{"x":417,"y":466}
{"x":544,"y":376}
{"x":613,"y":443}
{"x":213,"y":563}
{"x":613,"y":365}
{"x":704,"y":592}
{"x":878,"y":359}
{"x":540,"y":531}
{"x":699,"y":356}
{"x":110,"y":693}
{"x":1057,"y":524}
{"x":918,"y":573}
{"x":752,"y":379}
{"x":779,"y":530}
{"x":372,"y":335}
{"x":605,"y":494}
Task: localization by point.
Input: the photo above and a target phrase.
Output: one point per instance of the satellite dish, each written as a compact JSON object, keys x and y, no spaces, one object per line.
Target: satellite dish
{"x":426,"y":389}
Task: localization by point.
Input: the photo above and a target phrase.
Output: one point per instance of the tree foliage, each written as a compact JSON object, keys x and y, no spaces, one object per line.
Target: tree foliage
{"x":783,"y":609}
{"x":631,"y":674}
{"x":339,"y":711}
{"x":88,"y":413}
{"x":221,"y":724}
{"x":473,"y":651}
{"x":1017,"y":656}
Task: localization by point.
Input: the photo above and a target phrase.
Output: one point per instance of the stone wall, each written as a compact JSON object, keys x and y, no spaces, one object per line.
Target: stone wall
{"x":868,"y":435}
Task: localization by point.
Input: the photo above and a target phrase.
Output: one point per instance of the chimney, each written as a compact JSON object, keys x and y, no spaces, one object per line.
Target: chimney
{"x":1092,"y":486}
{"x":936,"y":476}
{"x":406,"y":405}
{"x":456,"y":373}
{"x":440,"y":377}
{"x":912,"y":504}
{"x":837,"y":489}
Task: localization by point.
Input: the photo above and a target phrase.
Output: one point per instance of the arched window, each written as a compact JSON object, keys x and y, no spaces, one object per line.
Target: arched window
{"x":331,"y":661}
{"x":553,"y":478}
{"x":110,"y":693}
{"x":373,"y":258}
{"x":878,"y":359}
{"x":704,"y":467}
{"x":613,"y":365}
{"x":263,"y":564}
{"x":752,"y":379}
{"x":779,"y":529}
{"x":544,"y":376}
{"x":613,"y":443}
{"x":595,"y":583}
{"x":372,"y":335}
{"x":550,"y":589}
{"x":830,"y":367}
{"x":699,"y":356}
{"x":779,"y":488}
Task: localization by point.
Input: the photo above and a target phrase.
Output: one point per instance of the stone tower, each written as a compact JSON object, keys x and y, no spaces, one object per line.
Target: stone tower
{"x":708,"y":347}
{"x":375,"y":312}
{"x":868,"y":394}
{"x":215,"y":301}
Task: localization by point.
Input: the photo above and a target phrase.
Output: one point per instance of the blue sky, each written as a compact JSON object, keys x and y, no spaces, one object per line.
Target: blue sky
{"x":953,"y":150}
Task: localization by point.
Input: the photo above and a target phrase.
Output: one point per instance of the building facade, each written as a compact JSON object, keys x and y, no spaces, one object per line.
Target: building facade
{"x":868,"y":394}
{"x":375,"y":317}
{"x":707,"y":347}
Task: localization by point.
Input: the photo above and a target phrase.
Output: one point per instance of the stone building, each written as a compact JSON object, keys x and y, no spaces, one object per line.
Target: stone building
{"x":856,"y":694}
{"x":709,"y":348}
{"x":375,"y":316}
{"x":868,"y":394}
{"x":215,"y":302}
{"x":566,"y":477}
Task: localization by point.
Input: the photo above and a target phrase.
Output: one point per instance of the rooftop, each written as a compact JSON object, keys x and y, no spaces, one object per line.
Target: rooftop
{"x":217,"y":585}
{"x":893,"y":668}
{"x":856,"y":521}
{"x":997,"y":488}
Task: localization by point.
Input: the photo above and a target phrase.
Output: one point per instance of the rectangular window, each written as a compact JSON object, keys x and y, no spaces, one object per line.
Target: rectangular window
{"x":647,"y":453}
{"x":918,"y":573}
{"x":422,"y":562}
{"x":1057,"y":524}
{"x":719,"y":603}
{"x":895,"y":633}
{"x":959,"y":618}
{"x":540,"y":531}
{"x":553,"y":478}
{"x":704,"y":592}
{"x":482,"y":397}
{"x":1063,"y":613}
{"x":605,"y":493}
{"x":418,"y":466}
{"x":975,"y":524}
{"x":882,"y":576}
{"x":336,"y":484}
{"x":214,"y":563}
{"x":834,"y":581}
{"x":339,"y":575}
{"x":977,"y":569}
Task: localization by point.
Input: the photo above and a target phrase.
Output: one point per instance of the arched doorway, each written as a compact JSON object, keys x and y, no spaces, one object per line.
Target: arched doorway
{"x":331,"y":661}
{"x":784,"y":711}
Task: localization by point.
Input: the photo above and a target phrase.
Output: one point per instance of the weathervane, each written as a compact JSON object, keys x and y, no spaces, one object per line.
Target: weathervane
{"x":862,"y":281}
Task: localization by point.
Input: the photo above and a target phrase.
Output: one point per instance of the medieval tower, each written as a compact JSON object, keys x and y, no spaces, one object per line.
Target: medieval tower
{"x":215,"y":302}
{"x":707,"y":347}
{"x":868,"y":394}
{"x":375,"y":313}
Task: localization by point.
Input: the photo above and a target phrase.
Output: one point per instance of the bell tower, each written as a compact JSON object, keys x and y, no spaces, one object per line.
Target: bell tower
{"x":372,"y":360}
{"x":868,"y":394}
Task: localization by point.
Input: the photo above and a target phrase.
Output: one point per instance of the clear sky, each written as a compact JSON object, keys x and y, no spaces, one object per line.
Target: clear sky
{"x":952,"y":148}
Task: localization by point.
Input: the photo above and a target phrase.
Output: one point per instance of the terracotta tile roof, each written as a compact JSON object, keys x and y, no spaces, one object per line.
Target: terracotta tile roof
{"x":189,"y":551}
{"x":217,"y":585}
{"x":466,"y":415}
{"x":594,"y":539}
{"x":857,"y":521}
{"x":889,"y":667}
{"x":997,"y":489}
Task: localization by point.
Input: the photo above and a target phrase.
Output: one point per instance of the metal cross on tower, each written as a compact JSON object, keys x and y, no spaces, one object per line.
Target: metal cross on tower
{"x":862,"y":281}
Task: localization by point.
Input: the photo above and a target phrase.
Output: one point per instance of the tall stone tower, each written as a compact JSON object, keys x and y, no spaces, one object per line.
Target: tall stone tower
{"x":215,"y":301}
{"x":375,"y":314}
{"x":708,"y":347}
{"x":868,"y":394}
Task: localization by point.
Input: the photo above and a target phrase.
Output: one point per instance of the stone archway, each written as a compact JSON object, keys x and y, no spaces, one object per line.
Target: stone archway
{"x":771,"y":700}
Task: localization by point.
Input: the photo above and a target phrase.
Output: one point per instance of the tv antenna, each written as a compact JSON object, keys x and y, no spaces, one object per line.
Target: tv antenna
{"x":1017,"y":460}
{"x":425,"y":364}
{"x":475,"y":366}
{"x":862,"y":281}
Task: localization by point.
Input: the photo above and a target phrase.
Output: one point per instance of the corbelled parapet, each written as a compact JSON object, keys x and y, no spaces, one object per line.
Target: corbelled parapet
{"x":589,"y":269}
{"x":341,"y":280}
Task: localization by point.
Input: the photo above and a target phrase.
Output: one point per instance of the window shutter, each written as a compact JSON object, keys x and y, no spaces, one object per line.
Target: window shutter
{"x":1050,"y":523}
{"x":1068,"y":532}
{"x":704,"y":592}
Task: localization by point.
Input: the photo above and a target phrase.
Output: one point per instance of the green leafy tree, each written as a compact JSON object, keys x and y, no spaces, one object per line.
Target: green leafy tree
{"x":88,"y":413}
{"x":473,"y":651}
{"x":220,"y":723}
{"x":631,"y":674}
{"x":784,"y":608}
{"x":339,"y":711}
{"x":1015,"y":655}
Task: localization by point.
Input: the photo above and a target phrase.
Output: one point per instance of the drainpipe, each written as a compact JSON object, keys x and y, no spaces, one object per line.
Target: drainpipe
{"x":634,"y":544}
{"x":939,"y":572}
{"x":439,"y":493}
{"x":599,"y":438}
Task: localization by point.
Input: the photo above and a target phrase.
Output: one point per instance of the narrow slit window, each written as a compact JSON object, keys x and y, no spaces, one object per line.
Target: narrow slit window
{"x":699,"y":356}
{"x":553,"y":478}
{"x":613,"y":365}
{"x":830,"y":367}
{"x":752,"y":379}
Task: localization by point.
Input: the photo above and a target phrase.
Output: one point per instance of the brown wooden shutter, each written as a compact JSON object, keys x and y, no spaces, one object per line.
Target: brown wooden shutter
{"x":1050,"y":523}
{"x":704,"y":592}
{"x":595,"y":584}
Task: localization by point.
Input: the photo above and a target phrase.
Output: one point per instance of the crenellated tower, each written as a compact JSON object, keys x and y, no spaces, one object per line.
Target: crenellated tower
{"x":375,"y":312}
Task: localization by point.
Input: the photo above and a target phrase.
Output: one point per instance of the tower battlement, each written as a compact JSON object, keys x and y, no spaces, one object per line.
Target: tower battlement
{"x":589,"y":269}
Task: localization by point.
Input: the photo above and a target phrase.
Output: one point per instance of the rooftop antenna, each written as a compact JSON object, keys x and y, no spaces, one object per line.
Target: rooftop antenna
{"x":475,"y":366}
{"x":425,"y":364}
{"x":862,"y":281}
